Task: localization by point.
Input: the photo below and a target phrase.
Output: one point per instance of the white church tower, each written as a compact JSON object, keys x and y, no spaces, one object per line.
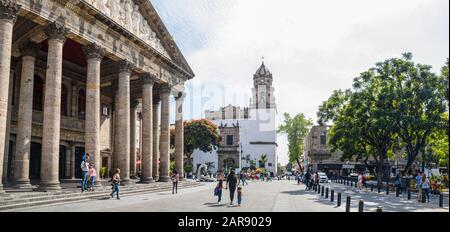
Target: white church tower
{"x":263,"y":91}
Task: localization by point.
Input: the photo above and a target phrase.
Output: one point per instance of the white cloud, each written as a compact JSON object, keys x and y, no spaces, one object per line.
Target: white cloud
{"x":311,"y":47}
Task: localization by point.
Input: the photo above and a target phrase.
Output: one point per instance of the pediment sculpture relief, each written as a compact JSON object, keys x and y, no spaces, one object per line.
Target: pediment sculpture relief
{"x":127,"y":14}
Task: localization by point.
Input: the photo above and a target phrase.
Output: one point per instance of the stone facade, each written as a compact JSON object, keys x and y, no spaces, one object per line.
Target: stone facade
{"x":69,"y":73}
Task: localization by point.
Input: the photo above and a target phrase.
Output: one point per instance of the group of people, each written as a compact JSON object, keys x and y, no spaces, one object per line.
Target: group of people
{"x":231,"y":184}
{"x":88,"y":173}
{"x":423,"y":185}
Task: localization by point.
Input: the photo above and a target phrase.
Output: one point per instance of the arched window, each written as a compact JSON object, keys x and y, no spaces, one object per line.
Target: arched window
{"x":38,"y":94}
{"x":63,"y":100}
{"x":81,"y":104}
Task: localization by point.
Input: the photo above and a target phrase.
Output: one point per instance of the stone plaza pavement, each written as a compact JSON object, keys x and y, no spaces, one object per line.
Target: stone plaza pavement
{"x":276,"y":196}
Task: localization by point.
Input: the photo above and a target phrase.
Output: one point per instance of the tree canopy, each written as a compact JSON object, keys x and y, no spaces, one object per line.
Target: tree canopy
{"x":396,"y":104}
{"x":296,"y":128}
{"x":199,"y":134}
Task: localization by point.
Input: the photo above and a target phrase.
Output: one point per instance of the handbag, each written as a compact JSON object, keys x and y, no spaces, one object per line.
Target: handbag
{"x":216,"y":191}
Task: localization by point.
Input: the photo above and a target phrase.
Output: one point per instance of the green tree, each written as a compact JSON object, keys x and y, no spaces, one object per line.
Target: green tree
{"x":263,"y":160}
{"x":199,"y":134}
{"x":331,"y":108}
{"x":296,"y":129}
{"x":418,"y":102}
{"x":438,"y":142}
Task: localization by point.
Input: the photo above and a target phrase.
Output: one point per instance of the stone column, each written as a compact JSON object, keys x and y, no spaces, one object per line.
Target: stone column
{"x":179,"y":134}
{"x":147,"y":128}
{"x":8,"y":132}
{"x":165,"y":135}
{"x":133,"y":138}
{"x":8,"y":13}
{"x":94,"y":55}
{"x":25,"y":117}
{"x":68,"y":162}
{"x":123,"y":122}
{"x":155,"y":169}
{"x":72,"y":163}
{"x":74,"y":99}
{"x":52,"y":108}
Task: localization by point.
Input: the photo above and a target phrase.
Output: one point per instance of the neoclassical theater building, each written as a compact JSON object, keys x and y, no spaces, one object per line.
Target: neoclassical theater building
{"x":71,"y":74}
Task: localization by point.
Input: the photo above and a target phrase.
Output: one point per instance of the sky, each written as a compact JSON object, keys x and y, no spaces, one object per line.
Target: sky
{"x":311,"y":47}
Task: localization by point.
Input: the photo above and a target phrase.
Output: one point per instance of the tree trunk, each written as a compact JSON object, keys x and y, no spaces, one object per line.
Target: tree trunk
{"x":299,"y":165}
{"x":411,"y":158}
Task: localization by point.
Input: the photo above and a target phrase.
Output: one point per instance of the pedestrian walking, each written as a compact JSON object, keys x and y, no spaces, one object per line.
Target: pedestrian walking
{"x":115,"y":184}
{"x":175,"y":180}
{"x":426,"y":187}
{"x":218,"y":190}
{"x":308,"y":180}
{"x":84,"y":171}
{"x":419,"y":186}
{"x":360,"y":181}
{"x":239,"y":195}
{"x":231,"y":184}
{"x":398,"y":183}
{"x":92,"y":175}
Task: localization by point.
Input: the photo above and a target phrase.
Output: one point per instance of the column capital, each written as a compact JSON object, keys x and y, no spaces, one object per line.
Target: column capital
{"x":30,"y":49}
{"x":56,"y":30}
{"x":125,"y":66}
{"x":165,"y":88}
{"x":94,"y":51}
{"x":9,"y":10}
{"x":148,"y":78}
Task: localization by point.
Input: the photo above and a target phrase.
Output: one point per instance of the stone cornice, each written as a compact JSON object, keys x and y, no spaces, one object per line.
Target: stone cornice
{"x":94,"y":51}
{"x":30,"y":49}
{"x":56,"y":30}
{"x":9,"y":10}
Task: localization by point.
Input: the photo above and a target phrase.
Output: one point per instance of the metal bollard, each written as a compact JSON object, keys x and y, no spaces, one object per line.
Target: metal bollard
{"x":387,"y":189}
{"x":339,"y":199}
{"x":397,"y":192}
{"x":361,"y":206}
{"x":326,"y":193}
{"x":332,"y":195}
{"x":409,"y":194}
{"x":322,"y":191}
{"x":379,"y":209}
{"x":347,"y":204}
{"x":318,"y":189}
{"x":441,"y":200}
{"x":424,"y":200}
{"x":379,"y":188}
{"x":371,"y":187}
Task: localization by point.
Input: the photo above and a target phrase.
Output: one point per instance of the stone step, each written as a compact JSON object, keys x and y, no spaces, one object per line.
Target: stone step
{"x":21,"y":195}
{"x":73,"y":192}
{"x":22,"y":203}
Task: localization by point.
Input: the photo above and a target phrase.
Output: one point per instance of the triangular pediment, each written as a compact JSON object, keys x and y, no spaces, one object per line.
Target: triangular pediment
{"x":141,"y":19}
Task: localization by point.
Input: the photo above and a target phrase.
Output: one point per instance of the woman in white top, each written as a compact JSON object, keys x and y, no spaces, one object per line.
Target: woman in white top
{"x":426,"y":187}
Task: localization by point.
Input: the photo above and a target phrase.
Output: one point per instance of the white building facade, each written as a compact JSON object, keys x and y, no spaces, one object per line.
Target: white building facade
{"x":248,"y":133}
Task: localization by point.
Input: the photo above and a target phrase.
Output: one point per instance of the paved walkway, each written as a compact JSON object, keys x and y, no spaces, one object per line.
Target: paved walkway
{"x":276,"y":196}
{"x":390,"y":203}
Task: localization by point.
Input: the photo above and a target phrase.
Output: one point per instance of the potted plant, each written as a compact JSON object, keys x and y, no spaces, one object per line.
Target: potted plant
{"x":188,"y":169}
{"x":102,"y":172}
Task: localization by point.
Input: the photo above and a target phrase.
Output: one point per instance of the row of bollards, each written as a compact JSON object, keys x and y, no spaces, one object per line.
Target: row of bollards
{"x":397,"y":192}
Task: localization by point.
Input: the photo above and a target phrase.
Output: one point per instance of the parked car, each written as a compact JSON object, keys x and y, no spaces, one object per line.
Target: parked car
{"x":323,"y":178}
{"x":354,"y":174}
